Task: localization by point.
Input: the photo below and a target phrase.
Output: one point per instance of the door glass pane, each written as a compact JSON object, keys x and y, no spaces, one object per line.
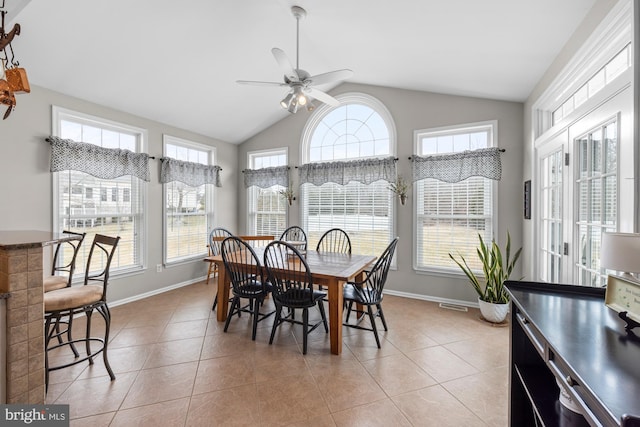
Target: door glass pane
{"x":597,"y":189}
{"x":596,"y":151}
{"x":551,"y":244}
{"x":610,"y":199}
{"x":584,"y":157}
{"x":611,"y":147}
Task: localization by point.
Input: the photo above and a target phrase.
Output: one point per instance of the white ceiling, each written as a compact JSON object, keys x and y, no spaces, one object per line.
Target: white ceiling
{"x":176,"y":62}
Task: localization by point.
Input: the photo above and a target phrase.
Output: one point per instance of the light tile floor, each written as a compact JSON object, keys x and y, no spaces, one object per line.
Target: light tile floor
{"x":176,"y":367}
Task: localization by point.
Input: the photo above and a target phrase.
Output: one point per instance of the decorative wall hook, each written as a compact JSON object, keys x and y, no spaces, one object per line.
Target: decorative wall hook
{"x":12,"y":78}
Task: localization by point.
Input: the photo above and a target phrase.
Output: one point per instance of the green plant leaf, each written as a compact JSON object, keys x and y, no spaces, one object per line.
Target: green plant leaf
{"x":496,"y":269}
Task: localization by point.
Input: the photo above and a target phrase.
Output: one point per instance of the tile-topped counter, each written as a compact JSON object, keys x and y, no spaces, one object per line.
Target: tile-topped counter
{"x":21,"y":277}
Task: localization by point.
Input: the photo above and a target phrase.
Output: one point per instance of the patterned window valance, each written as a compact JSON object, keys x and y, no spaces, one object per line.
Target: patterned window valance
{"x":266,"y":177}
{"x":365,"y":171}
{"x":103,"y":163}
{"x":459,"y":166}
{"x":193,"y":174}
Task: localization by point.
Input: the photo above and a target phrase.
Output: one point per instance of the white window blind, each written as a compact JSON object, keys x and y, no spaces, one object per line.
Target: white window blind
{"x":267,"y":213}
{"x":86,"y":208}
{"x":449,"y":216}
{"x":363,"y":211}
{"x":188,"y":209}
{"x":597,"y":190}
{"x":360,"y":128}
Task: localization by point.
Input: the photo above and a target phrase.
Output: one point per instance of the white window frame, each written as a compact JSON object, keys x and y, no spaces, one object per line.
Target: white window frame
{"x":575,"y":265}
{"x":614,"y":34}
{"x":57,"y":115}
{"x":317,"y":117}
{"x":210,"y":195}
{"x":492,"y":127}
{"x":252,"y":193}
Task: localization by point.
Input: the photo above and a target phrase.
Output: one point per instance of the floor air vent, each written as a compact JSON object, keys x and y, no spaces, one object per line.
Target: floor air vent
{"x":456,"y":307}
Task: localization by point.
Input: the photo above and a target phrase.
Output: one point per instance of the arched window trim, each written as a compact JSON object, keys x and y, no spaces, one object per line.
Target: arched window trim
{"x":345,"y":99}
{"x":317,"y":117}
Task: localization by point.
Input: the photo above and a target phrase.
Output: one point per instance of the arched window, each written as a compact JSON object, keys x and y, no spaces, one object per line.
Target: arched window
{"x":359,"y":128}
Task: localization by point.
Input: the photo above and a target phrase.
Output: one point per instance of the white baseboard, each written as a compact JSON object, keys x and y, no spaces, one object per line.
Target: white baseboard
{"x":156,"y":292}
{"x":386,"y":291}
{"x":432,"y":299}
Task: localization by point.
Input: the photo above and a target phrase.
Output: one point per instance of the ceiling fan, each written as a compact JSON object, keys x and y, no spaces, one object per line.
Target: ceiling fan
{"x":301,"y":83}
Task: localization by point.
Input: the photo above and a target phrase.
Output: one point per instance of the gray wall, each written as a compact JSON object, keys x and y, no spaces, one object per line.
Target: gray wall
{"x":413,"y":110}
{"x":26,"y":183}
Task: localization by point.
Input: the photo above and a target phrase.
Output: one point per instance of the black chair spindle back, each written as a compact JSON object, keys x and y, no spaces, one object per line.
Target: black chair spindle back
{"x":334,"y":240}
{"x":295,"y":234}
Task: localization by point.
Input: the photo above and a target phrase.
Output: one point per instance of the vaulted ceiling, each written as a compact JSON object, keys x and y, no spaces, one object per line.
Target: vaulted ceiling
{"x":177,"y":62}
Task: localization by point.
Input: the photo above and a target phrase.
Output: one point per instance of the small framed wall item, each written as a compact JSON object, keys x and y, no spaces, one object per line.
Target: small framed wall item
{"x":623,"y":297}
{"x":527,"y":199}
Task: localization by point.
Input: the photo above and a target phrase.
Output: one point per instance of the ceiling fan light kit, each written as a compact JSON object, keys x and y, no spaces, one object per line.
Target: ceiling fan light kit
{"x":300,"y":82}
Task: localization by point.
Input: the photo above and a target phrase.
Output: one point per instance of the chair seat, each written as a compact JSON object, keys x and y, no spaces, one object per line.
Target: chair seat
{"x":362,"y":296}
{"x":73,"y":297}
{"x":298,"y":299}
{"x":53,"y":283}
{"x":252,"y":289}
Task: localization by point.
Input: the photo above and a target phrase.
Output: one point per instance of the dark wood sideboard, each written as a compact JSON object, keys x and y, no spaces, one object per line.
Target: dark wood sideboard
{"x":565,"y":334}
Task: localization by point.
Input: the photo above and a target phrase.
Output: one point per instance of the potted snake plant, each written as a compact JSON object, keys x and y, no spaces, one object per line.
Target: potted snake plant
{"x":493,"y":297}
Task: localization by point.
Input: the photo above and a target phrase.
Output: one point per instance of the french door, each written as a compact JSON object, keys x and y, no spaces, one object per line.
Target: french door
{"x":551,"y":221}
{"x":581,"y":172}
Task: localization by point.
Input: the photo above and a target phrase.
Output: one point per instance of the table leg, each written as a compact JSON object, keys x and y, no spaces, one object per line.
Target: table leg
{"x":223,"y":294}
{"x":359,"y":307}
{"x":335,"y":315}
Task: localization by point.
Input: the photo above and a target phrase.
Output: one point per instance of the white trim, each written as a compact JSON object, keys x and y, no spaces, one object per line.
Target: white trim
{"x":60,"y":113}
{"x":265,"y":151}
{"x":318,"y":116}
{"x":492,"y":126}
{"x":463,"y":303}
{"x":348,"y":98}
{"x":210,"y":195}
{"x":251,"y":192}
{"x":460,"y":129}
{"x":157,"y":292}
{"x":619,"y":84}
{"x":611,"y":36}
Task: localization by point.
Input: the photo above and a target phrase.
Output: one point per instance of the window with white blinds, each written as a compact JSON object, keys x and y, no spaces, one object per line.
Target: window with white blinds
{"x":450,"y":216}
{"x":114,"y":207}
{"x":361,"y":127}
{"x":267,"y":213}
{"x":188,"y":210}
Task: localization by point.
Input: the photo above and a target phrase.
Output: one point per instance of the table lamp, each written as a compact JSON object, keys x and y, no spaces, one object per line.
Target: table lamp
{"x":621,"y":252}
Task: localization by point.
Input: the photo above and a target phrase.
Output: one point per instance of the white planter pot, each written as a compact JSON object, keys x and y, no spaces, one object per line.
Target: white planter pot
{"x":494,"y":313}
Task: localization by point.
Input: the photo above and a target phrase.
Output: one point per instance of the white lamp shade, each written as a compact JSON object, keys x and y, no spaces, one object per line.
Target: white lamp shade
{"x":620,"y":252}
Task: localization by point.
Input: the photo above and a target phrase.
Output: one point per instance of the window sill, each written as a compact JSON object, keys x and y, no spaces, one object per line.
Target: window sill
{"x":184,"y":261}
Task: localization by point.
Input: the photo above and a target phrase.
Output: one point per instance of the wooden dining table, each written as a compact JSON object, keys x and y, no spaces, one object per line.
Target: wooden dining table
{"x":330,"y":270}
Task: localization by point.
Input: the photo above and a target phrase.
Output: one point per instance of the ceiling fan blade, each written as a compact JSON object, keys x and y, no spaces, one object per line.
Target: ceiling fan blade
{"x":284,"y":63}
{"x":254,"y":83}
{"x":331,"y":76}
{"x":321,"y":96}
